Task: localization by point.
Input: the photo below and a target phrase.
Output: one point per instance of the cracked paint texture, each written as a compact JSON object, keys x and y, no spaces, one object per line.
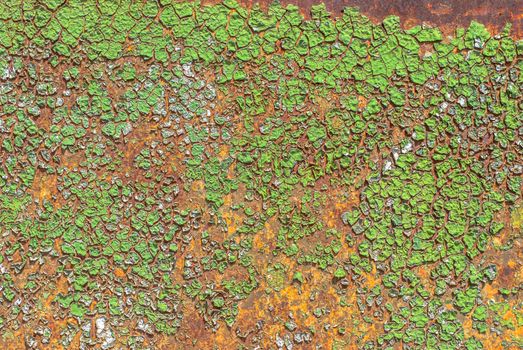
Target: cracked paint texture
{"x":222,"y":175}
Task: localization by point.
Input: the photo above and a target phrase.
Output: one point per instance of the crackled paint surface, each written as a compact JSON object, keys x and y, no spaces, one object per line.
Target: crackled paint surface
{"x":186,"y":175}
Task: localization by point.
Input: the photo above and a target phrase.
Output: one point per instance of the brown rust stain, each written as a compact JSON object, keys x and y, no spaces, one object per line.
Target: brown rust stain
{"x":447,"y":15}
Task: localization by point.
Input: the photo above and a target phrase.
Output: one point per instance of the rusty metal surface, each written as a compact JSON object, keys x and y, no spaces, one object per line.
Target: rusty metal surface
{"x":294,"y":300}
{"x":444,"y":14}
